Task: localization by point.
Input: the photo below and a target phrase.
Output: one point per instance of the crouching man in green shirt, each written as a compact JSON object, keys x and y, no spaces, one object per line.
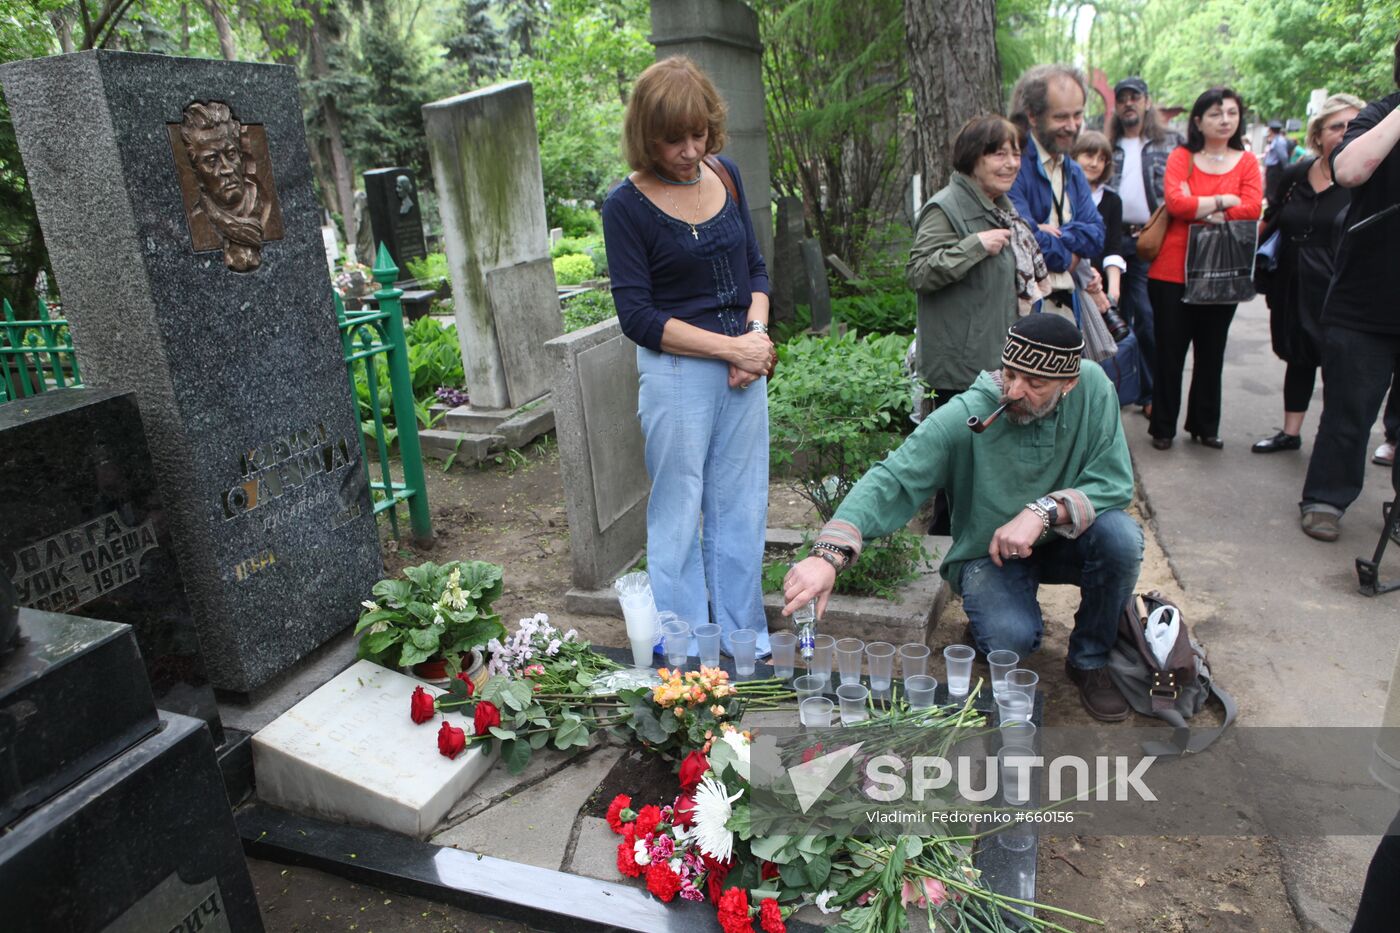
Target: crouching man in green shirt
{"x":1038,"y":497}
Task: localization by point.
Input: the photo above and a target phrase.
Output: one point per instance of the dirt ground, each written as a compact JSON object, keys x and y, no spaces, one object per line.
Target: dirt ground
{"x":513,"y":514}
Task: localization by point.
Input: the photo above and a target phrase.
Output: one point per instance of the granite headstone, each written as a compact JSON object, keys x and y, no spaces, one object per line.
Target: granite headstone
{"x":86,"y":533}
{"x":216,"y":308}
{"x":786,"y":272}
{"x":815,"y":284}
{"x":395,"y":216}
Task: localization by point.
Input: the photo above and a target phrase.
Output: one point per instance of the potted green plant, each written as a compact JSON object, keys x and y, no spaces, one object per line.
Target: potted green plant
{"x":435,"y":620}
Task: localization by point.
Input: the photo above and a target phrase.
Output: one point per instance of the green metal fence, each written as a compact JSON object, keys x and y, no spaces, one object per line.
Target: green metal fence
{"x":35,"y":356}
{"x":366,"y":336}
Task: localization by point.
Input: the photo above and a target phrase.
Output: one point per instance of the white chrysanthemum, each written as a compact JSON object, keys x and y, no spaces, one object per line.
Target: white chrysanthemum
{"x":371,"y":605}
{"x":640,"y":853}
{"x":736,"y":741}
{"x":712,"y":812}
{"x":824,"y":902}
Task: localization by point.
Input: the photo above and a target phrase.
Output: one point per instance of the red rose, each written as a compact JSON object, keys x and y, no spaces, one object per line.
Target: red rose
{"x":647,"y":820}
{"x":620,"y":804}
{"x":809,"y":753}
{"x":770,"y":916}
{"x":684,"y":814}
{"x":693,"y":769}
{"x":734,"y":911}
{"x":627,"y":856}
{"x":662,"y":882}
{"x":422,"y":707}
{"x":715,"y":873}
{"x":486,"y":716}
{"x":767,"y":870}
{"x":451,"y":740}
{"x":471,"y":687}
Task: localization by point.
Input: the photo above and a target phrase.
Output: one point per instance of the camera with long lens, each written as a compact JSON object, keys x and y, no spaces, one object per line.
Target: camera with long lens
{"x":1117,"y":327}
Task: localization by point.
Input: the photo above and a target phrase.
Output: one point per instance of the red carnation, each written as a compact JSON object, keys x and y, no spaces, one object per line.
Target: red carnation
{"x":768,"y":870}
{"x":647,"y":820}
{"x":684,"y":811}
{"x":464,"y":678}
{"x":621,"y":804}
{"x":693,"y":769}
{"x":486,"y":716}
{"x":451,"y":740}
{"x":770,"y":916}
{"x":422,"y":707}
{"x":809,"y":753}
{"x":662,"y":882}
{"x":734,"y":911}
{"x":627,"y":856}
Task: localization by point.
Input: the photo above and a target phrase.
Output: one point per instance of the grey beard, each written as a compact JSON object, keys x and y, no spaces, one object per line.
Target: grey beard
{"x":1035,"y":414}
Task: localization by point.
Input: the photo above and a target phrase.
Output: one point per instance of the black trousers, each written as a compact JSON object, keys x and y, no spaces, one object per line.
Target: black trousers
{"x":1380,"y":898}
{"x":1299,"y":380}
{"x":1179,"y":327}
{"x":1357,"y":369}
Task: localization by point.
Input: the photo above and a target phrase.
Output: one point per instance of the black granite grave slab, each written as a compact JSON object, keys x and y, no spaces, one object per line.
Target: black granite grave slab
{"x":86,"y":533}
{"x":146,"y":843}
{"x":73,"y":695}
{"x":395,"y":215}
{"x":222,"y":323}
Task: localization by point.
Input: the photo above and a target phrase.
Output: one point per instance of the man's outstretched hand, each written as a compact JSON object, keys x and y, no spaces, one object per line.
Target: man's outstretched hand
{"x":811,"y":578}
{"x":1015,"y":539}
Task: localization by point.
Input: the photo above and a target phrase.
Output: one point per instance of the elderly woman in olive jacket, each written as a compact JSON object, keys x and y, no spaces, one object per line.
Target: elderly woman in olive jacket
{"x":974,"y":264}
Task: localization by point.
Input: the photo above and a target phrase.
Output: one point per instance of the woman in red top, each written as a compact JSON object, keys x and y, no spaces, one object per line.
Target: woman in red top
{"x":1209,"y":180}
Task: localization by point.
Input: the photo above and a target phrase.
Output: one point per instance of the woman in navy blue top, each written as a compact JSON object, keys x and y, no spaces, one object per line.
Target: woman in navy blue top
{"x":692,"y":292}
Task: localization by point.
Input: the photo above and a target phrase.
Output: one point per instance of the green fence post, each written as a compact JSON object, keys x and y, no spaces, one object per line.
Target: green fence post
{"x":401,"y":384}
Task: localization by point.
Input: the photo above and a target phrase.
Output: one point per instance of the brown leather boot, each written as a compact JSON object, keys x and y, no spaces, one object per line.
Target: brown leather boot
{"x":1098,"y":694}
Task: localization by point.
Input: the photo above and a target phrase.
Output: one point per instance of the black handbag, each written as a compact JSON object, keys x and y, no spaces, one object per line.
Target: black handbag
{"x":1220,"y":262}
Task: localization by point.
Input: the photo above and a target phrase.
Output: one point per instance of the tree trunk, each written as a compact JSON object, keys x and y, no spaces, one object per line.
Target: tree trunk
{"x":184,"y":29}
{"x":955,"y":73}
{"x":228,"y":47}
{"x":63,"y":30}
{"x":340,"y":162}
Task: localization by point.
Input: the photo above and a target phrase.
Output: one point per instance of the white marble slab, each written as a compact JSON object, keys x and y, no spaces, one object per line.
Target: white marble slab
{"x":350,"y":752}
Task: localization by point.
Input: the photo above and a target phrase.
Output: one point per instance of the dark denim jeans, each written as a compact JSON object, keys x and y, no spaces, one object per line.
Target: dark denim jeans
{"x":1136,"y":309}
{"x":1103,"y":562}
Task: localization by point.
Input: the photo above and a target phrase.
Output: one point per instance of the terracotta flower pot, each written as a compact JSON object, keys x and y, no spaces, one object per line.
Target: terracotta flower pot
{"x":434,"y":670}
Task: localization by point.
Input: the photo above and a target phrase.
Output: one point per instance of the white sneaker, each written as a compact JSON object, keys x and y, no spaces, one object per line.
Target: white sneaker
{"x":1384,"y":455}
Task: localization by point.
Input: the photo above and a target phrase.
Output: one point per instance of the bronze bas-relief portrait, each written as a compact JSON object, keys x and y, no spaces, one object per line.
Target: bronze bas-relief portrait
{"x":226,"y":183}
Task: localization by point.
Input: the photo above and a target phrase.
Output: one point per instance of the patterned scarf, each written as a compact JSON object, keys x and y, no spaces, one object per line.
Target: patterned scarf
{"x":1031,"y":271}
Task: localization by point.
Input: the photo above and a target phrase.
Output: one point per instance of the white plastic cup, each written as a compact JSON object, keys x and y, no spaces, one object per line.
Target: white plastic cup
{"x":707,"y":637}
{"x":1022,"y":681}
{"x":784,"y":656}
{"x":880,"y":655}
{"x":913,"y":660}
{"x":849,"y":652}
{"x":1016,"y":774}
{"x":823,"y":652}
{"x":809,"y":685}
{"x":815,"y":712}
{"x":957,"y":660}
{"x":854,"y":698}
{"x":1014,"y":707}
{"x":919,"y":690}
{"x":639,"y":612}
{"x":1001,"y":663}
{"x":742,"y":644}
{"x":675,"y":634}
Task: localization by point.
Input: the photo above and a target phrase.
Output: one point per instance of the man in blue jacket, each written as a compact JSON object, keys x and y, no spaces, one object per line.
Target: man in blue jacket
{"x":1051,"y":191}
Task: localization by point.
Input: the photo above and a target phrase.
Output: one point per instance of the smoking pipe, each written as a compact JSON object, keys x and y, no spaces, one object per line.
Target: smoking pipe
{"x":978,"y":425}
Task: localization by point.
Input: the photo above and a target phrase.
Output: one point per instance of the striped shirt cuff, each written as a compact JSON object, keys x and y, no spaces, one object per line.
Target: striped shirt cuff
{"x":842,"y":534}
{"x":1081,"y":513}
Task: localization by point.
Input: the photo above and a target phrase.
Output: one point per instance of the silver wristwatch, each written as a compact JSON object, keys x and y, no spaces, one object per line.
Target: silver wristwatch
{"x":1046,"y":510}
{"x":757,"y":327}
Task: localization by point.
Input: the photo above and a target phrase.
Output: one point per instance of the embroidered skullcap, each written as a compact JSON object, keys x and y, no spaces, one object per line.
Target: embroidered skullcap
{"x":1043,"y":345}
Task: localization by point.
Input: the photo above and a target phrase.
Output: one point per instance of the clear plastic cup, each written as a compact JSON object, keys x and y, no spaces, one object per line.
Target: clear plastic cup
{"x":919,"y":690}
{"x":854,"y":698}
{"x":815,"y":712}
{"x":1019,"y":838}
{"x":1021,"y":680}
{"x":741,"y":645}
{"x":1017,"y":734}
{"x":639,"y":611}
{"x":823,"y":653}
{"x":849,"y":652}
{"x":784,"y":657}
{"x":1014,"y":707}
{"x":880,"y":655}
{"x":1001,"y":662}
{"x":913,"y":660}
{"x":675,"y":634}
{"x":958,"y":663}
{"x":707,"y":636}
{"x":810,"y":685}
{"x":1015,"y":774}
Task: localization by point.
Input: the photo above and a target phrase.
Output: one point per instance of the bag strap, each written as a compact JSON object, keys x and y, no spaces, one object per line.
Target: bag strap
{"x":1183,"y":740}
{"x":722,"y":173}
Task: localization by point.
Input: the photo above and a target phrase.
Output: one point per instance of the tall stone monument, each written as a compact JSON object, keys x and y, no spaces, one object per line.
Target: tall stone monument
{"x":721,"y":36}
{"x":395,"y":216}
{"x":486,"y":168}
{"x":175,"y":196}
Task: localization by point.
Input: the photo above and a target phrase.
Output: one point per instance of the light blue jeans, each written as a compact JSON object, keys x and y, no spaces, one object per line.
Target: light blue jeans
{"x":1103,"y":562}
{"x":707,"y":455}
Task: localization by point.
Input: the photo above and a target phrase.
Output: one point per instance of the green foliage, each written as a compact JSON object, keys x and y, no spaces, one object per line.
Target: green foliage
{"x":436,"y":610}
{"x":434,"y":360}
{"x":576,"y":221}
{"x":587,"y":309}
{"x":582,"y":245}
{"x":429,"y":268}
{"x":476,"y":43}
{"x":885,"y":311}
{"x":573,"y":269}
{"x":836,"y":405}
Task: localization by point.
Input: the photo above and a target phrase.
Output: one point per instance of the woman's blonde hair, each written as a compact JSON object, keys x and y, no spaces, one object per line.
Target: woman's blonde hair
{"x":671,"y":98}
{"x":1330,"y":108}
